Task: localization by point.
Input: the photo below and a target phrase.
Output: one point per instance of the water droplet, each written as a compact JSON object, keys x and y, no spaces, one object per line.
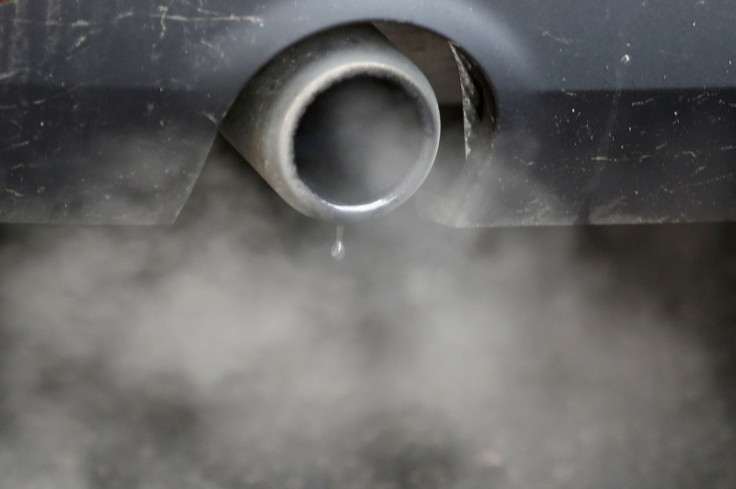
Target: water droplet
{"x":338,"y":249}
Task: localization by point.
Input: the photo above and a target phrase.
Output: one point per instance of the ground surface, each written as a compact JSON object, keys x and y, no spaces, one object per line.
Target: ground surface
{"x":231,"y":351}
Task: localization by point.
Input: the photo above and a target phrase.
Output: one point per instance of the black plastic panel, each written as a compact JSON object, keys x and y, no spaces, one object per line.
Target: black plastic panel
{"x":108,"y":109}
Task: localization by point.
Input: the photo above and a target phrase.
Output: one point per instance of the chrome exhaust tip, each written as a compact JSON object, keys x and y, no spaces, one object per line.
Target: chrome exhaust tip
{"x":343,"y":126}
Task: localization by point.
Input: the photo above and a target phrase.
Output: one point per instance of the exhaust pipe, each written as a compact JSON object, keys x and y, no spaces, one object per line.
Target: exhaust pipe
{"x":343,"y":126}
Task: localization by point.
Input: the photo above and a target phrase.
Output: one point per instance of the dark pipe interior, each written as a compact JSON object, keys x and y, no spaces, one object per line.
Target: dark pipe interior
{"x":358,"y":140}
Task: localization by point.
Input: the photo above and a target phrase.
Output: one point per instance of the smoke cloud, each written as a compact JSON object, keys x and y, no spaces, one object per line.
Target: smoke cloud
{"x":231,"y":351}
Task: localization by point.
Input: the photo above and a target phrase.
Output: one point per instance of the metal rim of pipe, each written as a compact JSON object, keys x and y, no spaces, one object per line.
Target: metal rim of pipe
{"x":264,"y":120}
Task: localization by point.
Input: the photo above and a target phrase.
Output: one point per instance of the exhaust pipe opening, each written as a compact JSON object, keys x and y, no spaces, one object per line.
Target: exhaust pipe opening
{"x":343,"y":126}
{"x":359,"y":140}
